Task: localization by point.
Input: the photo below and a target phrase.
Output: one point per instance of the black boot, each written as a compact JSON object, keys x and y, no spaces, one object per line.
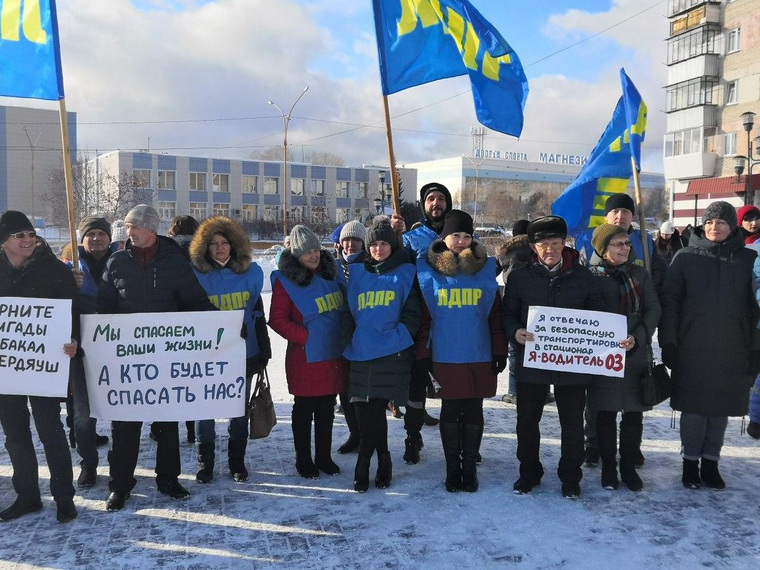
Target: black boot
{"x":413,"y":421}
{"x":205,"y":463}
{"x":352,"y":421}
{"x":452,"y":451}
{"x":710,"y":474}
{"x":690,"y":478}
{"x":236,"y":459}
{"x":471,"y":436}
{"x":630,"y":455}
{"x":20,"y":507}
{"x":606,"y":436}
{"x":323,"y":425}
{"x":412,"y":446}
{"x":301,"y":427}
{"x":351,"y":444}
{"x":384,"y":470}
{"x":190,"y":431}
{"x":361,"y":474}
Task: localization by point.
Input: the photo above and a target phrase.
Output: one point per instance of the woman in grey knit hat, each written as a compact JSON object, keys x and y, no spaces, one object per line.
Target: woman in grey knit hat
{"x":709,"y":339}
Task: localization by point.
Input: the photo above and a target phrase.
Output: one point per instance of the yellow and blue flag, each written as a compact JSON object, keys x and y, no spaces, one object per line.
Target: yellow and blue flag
{"x":30,"y":60}
{"x":608,"y":168}
{"x":420,"y":41}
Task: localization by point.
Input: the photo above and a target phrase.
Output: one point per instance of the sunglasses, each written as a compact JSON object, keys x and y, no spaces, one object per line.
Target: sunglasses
{"x":22,"y":235}
{"x":621,"y":244}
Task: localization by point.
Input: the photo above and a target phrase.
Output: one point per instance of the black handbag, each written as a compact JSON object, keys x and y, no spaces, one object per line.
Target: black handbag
{"x":261,"y":409}
{"x":656,"y":384}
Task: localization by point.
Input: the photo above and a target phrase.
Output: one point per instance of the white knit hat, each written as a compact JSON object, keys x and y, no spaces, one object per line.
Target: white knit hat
{"x":353,"y":229}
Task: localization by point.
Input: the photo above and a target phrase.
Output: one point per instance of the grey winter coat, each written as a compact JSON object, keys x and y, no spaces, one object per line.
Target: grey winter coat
{"x":624,"y":394}
{"x":710,"y":314}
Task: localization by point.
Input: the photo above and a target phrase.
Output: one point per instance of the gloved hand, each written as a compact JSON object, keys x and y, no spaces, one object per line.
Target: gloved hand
{"x":422,"y":367}
{"x":669,"y":355}
{"x":753,"y":363}
{"x":499,"y":363}
{"x":244,"y":331}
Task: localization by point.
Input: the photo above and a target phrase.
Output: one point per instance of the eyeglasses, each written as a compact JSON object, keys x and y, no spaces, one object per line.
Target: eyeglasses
{"x":621,"y":244}
{"x":550,"y":246}
{"x":22,"y":235}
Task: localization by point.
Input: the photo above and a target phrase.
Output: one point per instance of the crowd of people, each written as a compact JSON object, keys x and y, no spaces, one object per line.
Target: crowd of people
{"x":374,"y":323}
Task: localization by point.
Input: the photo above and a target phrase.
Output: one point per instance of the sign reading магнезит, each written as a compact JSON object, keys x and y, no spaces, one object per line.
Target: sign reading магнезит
{"x":165,"y":366}
{"x":570,"y":340}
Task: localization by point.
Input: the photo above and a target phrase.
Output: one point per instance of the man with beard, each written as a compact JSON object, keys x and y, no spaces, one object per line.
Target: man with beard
{"x":435,"y":203}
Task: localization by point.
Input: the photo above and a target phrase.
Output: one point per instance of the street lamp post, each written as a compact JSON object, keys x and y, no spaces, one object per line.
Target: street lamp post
{"x":384,"y":194}
{"x":285,"y":183}
{"x":748,"y":121}
{"x":32,"y":147}
{"x":477,"y":179}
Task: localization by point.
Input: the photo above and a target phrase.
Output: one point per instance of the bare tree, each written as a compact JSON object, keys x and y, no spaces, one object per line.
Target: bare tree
{"x":271,"y":153}
{"x":325,"y":159}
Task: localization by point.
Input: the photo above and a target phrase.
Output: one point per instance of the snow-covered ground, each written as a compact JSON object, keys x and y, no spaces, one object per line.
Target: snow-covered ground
{"x":279,"y":520}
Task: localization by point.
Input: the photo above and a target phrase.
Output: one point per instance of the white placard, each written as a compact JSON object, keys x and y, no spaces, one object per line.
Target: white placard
{"x":165,"y":366}
{"x":32,"y":335}
{"x":570,"y":340}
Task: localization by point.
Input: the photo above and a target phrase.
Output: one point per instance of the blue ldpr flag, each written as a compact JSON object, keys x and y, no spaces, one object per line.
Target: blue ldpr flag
{"x":608,"y":168}
{"x":30,"y":61}
{"x":420,"y":41}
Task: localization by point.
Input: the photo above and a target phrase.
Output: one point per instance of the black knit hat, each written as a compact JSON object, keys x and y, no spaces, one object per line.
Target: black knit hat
{"x":88,"y":224}
{"x":720,"y":210}
{"x":520,"y":228}
{"x":619,"y":201}
{"x":11,"y":222}
{"x":547,"y":227}
{"x":434,"y":187}
{"x":381,"y":230}
{"x":457,"y":221}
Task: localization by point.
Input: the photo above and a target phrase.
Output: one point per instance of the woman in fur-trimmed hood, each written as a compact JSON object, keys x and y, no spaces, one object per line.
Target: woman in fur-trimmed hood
{"x":220,"y":253}
{"x":306,"y":302}
{"x":461,"y":341}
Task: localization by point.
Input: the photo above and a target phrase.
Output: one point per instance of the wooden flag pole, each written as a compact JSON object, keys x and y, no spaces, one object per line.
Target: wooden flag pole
{"x":391,"y":158}
{"x":642,"y":218}
{"x":69,"y":178}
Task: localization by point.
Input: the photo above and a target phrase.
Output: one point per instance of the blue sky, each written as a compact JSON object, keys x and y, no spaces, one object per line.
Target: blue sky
{"x":211,"y":65}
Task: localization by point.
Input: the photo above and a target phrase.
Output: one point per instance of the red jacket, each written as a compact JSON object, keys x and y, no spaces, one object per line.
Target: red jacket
{"x":304,"y":378}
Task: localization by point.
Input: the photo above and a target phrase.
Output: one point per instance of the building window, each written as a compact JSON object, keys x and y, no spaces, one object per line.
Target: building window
{"x":697,"y":42}
{"x":250,"y":212}
{"x":166,"y":180}
{"x":729,"y":144}
{"x":690,"y":94}
{"x":317,"y":187}
{"x":271,"y":185}
{"x":221,"y":210}
{"x":359,"y":214}
{"x":360,"y":189}
{"x":341,"y":189}
{"x":298,"y":214}
{"x":732,"y":90}
{"x":297,"y":186}
{"x":733,"y":40}
{"x":685,"y":142}
{"x":141,"y":178}
{"x":319,"y":216}
{"x":249,"y":184}
{"x":342,"y":215}
{"x":198,"y":210}
{"x":221,"y":182}
{"x":166,"y":210}
{"x":198,"y":181}
{"x":272,"y":213}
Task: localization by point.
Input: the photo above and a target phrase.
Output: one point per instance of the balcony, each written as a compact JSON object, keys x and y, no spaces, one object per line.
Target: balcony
{"x":676,"y":7}
{"x":693,"y":165}
{"x":693,"y":117}
{"x":709,"y":12}
{"x":706,"y":65}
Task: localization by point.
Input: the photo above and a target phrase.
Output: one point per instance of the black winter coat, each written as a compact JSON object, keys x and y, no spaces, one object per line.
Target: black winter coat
{"x":710,"y":314}
{"x":386,"y":377}
{"x":166,"y":285}
{"x":624,"y":394}
{"x":42,"y":276}
{"x":574,"y":287}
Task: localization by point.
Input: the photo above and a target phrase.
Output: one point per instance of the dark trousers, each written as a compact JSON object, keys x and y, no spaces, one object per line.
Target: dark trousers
{"x":570,"y":401}
{"x":84,"y":425}
{"x":373,"y":426}
{"x":467,"y":411}
{"x":349,"y":413}
{"x":320,"y":410}
{"x":126,"y":447}
{"x":14,"y":417}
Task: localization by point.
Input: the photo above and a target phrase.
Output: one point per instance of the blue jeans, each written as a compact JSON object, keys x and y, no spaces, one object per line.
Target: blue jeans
{"x":205,"y":430}
{"x":754,"y":402}
{"x":512,"y":388}
{"x":702,"y":436}
{"x":84,"y":425}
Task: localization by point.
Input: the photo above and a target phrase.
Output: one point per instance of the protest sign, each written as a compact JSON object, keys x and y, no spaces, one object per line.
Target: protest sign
{"x":569,"y":340}
{"x":165,"y":366}
{"x":32,"y":335}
